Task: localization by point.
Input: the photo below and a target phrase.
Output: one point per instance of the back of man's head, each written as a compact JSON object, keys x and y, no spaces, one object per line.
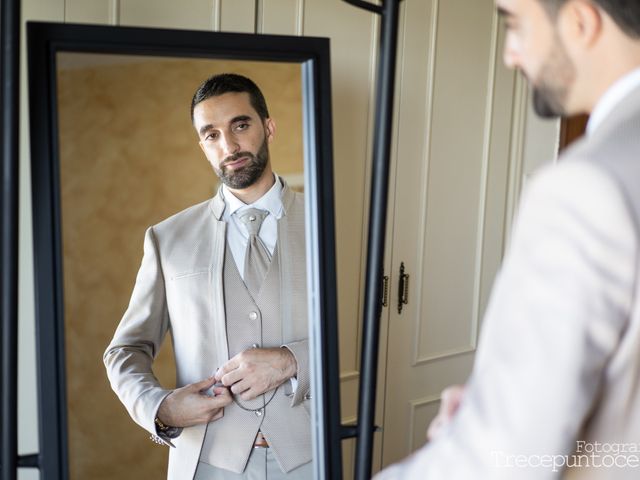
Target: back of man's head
{"x":231,"y":83}
{"x":625,"y":13}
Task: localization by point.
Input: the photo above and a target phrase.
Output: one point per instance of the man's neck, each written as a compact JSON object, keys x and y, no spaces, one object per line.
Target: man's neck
{"x":255,"y":191}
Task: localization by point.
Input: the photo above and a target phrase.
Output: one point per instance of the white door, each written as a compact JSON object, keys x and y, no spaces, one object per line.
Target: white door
{"x":449,"y":206}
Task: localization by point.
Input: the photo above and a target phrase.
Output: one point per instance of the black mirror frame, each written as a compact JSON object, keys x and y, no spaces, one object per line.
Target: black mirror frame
{"x":47,"y":39}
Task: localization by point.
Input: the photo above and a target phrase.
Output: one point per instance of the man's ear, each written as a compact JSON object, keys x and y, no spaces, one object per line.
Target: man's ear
{"x":580,"y":22}
{"x":270,"y":129}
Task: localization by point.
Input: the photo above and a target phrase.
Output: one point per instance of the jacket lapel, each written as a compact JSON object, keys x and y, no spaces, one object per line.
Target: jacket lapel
{"x":216,"y":292}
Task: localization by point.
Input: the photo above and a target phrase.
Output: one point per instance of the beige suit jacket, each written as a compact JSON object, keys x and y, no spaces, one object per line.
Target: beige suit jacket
{"x":556,"y":381}
{"x":179,"y":290}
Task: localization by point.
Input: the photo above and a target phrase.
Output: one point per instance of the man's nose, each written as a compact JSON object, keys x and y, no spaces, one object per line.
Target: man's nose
{"x":230,"y":144}
{"x":509,"y":58}
{"x":510,"y":53}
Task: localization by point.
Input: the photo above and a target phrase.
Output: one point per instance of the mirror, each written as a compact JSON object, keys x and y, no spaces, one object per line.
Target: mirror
{"x":129,"y":158}
{"x":113,"y":152}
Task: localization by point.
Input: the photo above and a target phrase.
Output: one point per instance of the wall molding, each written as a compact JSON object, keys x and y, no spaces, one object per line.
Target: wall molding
{"x":114,"y":12}
{"x":215,"y":15}
{"x":484,"y":183}
{"x":516,"y":154}
{"x":414,"y":405}
{"x":426,"y":154}
{"x":443,"y":354}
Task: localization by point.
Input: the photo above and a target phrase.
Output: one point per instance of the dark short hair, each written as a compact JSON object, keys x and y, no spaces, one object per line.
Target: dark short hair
{"x":231,"y":82}
{"x":625,"y":13}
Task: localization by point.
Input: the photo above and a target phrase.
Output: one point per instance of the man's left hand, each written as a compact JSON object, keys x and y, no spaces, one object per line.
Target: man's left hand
{"x":450,"y":400}
{"x":257,"y":370}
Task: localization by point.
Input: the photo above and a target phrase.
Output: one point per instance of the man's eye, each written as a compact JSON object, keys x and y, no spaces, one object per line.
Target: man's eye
{"x":509,"y":24}
{"x":211,"y":136}
{"x":241,"y":126}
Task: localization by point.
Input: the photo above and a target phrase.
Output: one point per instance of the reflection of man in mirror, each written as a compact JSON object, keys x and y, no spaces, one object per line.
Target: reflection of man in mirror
{"x":555,"y":389}
{"x":226,"y":278}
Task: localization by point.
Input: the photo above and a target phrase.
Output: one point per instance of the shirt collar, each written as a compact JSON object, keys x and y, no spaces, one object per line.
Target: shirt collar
{"x":270,"y":201}
{"x":612,"y":98}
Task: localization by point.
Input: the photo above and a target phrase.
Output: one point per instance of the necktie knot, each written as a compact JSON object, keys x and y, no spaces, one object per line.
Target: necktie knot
{"x":252,"y":219}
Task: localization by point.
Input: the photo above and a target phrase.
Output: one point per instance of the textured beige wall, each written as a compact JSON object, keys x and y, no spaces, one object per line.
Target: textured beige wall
{"x":129,"y":158}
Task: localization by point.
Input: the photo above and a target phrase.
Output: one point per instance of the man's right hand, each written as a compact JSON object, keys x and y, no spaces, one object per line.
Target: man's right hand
{"x":189,"y":405}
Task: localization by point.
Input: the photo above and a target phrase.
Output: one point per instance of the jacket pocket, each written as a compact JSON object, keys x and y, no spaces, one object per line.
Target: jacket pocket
{"x":191,"y":273}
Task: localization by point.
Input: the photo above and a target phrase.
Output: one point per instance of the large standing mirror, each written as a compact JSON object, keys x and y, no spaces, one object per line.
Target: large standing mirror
{"x":113,"y":152}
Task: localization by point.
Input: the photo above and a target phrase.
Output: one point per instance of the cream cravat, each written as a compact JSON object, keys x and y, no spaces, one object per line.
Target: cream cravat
{"x":256,"y":257}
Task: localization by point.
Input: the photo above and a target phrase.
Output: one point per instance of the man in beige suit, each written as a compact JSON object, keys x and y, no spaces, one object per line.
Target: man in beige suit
{"x":226,"y":278}
{"x":555,"y":389}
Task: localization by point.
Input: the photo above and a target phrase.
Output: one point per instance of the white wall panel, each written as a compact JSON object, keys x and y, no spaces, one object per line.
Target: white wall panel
{"x":43,"y":10}
{"x":90,"y":11}
{"x":188,"y":14}
{"x":237,"y":16}
{"x":283,"y":17}
{"x":455,"y":176}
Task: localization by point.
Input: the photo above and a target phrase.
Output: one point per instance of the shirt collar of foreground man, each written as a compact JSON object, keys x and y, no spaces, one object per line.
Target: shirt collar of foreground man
{"x":554,"y":390}
{"x":613,"y":98}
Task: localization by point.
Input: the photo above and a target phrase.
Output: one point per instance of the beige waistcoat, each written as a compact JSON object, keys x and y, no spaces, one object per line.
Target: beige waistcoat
{"x":228,"y":441}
